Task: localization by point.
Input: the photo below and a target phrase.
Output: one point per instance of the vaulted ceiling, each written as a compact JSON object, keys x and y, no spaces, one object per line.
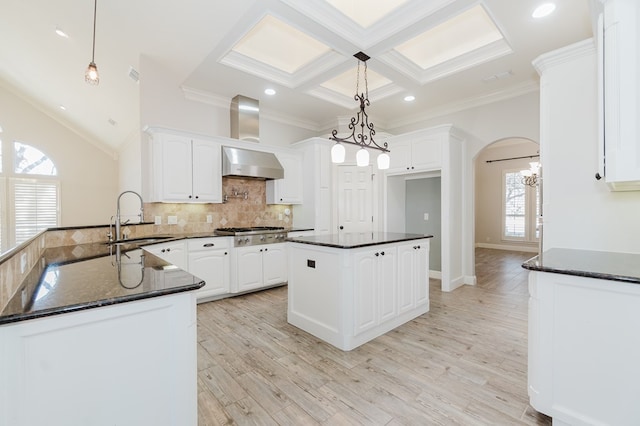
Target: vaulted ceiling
{"x":446,"y":53}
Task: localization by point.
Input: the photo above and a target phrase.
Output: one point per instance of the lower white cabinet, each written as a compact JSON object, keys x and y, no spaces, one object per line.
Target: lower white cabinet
{"x":412,"y":270}
{"x":208,"y":259}
{"x":349,"y":296}
{"x":173,"y":252}
{"x":130,"y":363}
{"x":375,"y":287}
{"x":259,"y":266}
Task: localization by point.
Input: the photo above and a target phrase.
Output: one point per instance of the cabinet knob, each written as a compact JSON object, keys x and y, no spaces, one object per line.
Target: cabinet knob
{"x":341,"y":227}
{"x":377,"y":254}
{"x":412,"y":167}
{"x":382,"y":253}
{"x":197,"y":196}
{"x":190,"y":197}
{"x":266,"y":249}
{"x":598,"y":176}
{"x":225,"y":253}
{"x":162,"y":251}
{"x":280,"y":199}
{"x":260,"y":250}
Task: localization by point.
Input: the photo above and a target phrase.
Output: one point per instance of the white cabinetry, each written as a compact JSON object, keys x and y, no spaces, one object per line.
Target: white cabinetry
{"x":375,"y":288}
{"x":412,"y":271}
{"x":619,"y":56}
{"x":583,"y":353}
{"x":209,"y":261}
{"x":316,"y":210}
{"x":259,"y":266}
{"x":415,"y":152}
{"x":289,"y":189}
{"x":173,"y":252}
{"x":130,"y":363}
{"x":184,"y":170}
{"x":349,"y":296}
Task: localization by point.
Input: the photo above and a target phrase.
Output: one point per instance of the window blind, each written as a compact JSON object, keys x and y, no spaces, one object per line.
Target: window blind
{"x":514,"y":206}
{"x":35,"y":204}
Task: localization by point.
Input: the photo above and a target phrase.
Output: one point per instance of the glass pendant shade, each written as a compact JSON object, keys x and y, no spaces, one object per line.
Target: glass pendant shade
{"x":362,"y":157}
{"x":91,"y":75}
{"x":337,"y":153}
{"x":383,"y":161}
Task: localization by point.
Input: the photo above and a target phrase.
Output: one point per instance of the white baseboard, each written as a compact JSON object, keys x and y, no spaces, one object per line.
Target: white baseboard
{"x":436,"y":275}
{"x":470,"y":279}
{"x":514,"y":247}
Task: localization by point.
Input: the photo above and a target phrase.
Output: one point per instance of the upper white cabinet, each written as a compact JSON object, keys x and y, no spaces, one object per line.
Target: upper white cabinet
{"x":184,"y":170}
{"x":316,"y":168}
{"x":619,"y":53}
{"x":415,"y":152}
{"x":289,"y":189}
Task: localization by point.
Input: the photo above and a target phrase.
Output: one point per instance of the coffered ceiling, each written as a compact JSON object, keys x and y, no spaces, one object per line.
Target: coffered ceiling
{"x":446,"y":53}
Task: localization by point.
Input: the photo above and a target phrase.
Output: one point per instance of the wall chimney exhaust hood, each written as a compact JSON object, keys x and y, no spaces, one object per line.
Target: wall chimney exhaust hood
{"x":246,"y":163}
{"x":245,"y":119}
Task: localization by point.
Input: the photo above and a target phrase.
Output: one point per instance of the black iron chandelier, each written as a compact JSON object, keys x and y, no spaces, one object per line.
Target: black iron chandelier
{"x":362,"y":137}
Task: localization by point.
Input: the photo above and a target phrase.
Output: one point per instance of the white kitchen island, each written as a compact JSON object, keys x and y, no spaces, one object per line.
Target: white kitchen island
{"x":349,"y":289}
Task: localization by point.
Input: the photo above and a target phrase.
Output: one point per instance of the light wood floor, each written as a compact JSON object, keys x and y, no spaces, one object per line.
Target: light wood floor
{"x":463,"y":362}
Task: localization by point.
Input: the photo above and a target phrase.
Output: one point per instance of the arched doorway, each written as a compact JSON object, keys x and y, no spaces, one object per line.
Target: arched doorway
{"x":505,"y":209}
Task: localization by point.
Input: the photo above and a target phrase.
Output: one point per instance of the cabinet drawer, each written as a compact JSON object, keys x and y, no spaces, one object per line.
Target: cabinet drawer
{"x":213,"y":243}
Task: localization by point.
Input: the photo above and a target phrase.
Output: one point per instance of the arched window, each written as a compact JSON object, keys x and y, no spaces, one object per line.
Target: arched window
{"x":29,"y":191}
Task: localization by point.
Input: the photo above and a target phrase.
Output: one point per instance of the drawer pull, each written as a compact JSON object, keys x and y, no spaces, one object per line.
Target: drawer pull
{"x":208,"y":245}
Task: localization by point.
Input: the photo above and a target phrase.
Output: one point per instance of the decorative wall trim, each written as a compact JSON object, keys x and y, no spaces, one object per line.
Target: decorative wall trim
{"x":563,"y":55}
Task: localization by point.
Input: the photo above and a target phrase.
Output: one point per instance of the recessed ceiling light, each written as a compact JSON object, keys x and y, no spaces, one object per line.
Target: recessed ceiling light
{"x":62,"y":107}
{"x":543,"y":10}
{"x":112,"y":121}
{"x":409,"y":98}
{"x":269,"y":92}
{"x":61,"y":33}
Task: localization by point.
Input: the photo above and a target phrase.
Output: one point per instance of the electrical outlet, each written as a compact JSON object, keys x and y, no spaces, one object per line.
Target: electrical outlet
{"x":172,"y":220}
{"x":280,"y":216}
{"x":158,"y":220}
{"x":426,"y":216}
{"x":209,"y":218}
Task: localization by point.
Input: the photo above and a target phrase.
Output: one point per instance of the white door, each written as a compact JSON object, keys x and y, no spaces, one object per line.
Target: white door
{"x":355,"y":199}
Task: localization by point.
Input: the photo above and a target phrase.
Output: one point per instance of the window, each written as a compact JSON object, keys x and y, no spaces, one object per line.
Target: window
{"x":30,"y":195}
{"x":521,"y":208}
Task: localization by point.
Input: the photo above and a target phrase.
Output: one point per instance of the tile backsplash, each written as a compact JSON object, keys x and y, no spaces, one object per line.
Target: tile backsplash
{"x":236,"y":211}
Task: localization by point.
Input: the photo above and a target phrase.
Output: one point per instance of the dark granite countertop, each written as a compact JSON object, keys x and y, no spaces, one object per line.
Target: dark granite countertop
{"x":85,"y":276}
{"x":586,"y":263}
{"x":356,"y":240}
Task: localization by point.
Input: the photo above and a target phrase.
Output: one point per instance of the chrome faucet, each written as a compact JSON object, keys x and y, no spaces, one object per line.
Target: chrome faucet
{"x":117,"y":218}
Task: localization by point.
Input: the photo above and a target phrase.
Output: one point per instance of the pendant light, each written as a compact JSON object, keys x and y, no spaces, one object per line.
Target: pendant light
{"x":364,"y":139}
{"x":91,"y":75}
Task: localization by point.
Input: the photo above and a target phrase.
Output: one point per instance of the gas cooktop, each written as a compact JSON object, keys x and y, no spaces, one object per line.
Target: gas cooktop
{"x":248,"y":230}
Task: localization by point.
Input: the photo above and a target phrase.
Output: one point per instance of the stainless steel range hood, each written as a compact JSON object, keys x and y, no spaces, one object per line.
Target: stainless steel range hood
{"x":246,"y":163}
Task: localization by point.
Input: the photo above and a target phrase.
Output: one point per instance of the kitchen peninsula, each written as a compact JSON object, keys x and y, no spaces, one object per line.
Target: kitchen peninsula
{"x":351,"y":288}
{"x":100,"y":334}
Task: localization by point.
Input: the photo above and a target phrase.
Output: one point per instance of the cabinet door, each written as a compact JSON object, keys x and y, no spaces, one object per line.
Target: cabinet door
{"x":249,"y":268}
{"x":274,"y":264}
{"x":289,"y":189}
{"x":173,"y":253}
{"x":400,"y":157}
{"x":421,"y":273}
{"x":365,"y":297}
{"x":406,"y":277}
{"x":176,"y":168}
{"x":207,"y":175}
{"x":426,"y":154}
{"x":212,"y":267}
{"x":387,"y":284}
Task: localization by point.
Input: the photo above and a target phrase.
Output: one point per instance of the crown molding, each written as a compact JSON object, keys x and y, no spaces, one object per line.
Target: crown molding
{"x":563,"y":55}
{"x":478,"y":101}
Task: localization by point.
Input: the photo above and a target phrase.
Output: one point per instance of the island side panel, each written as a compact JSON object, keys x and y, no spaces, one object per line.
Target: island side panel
{"x":315,"y":294}
{"x":130,"y":363}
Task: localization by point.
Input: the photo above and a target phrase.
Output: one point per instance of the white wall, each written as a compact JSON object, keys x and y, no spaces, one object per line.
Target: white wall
{"x":88,"y":175}
{"x":163,"y":104}
{"x":579,"y":212}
